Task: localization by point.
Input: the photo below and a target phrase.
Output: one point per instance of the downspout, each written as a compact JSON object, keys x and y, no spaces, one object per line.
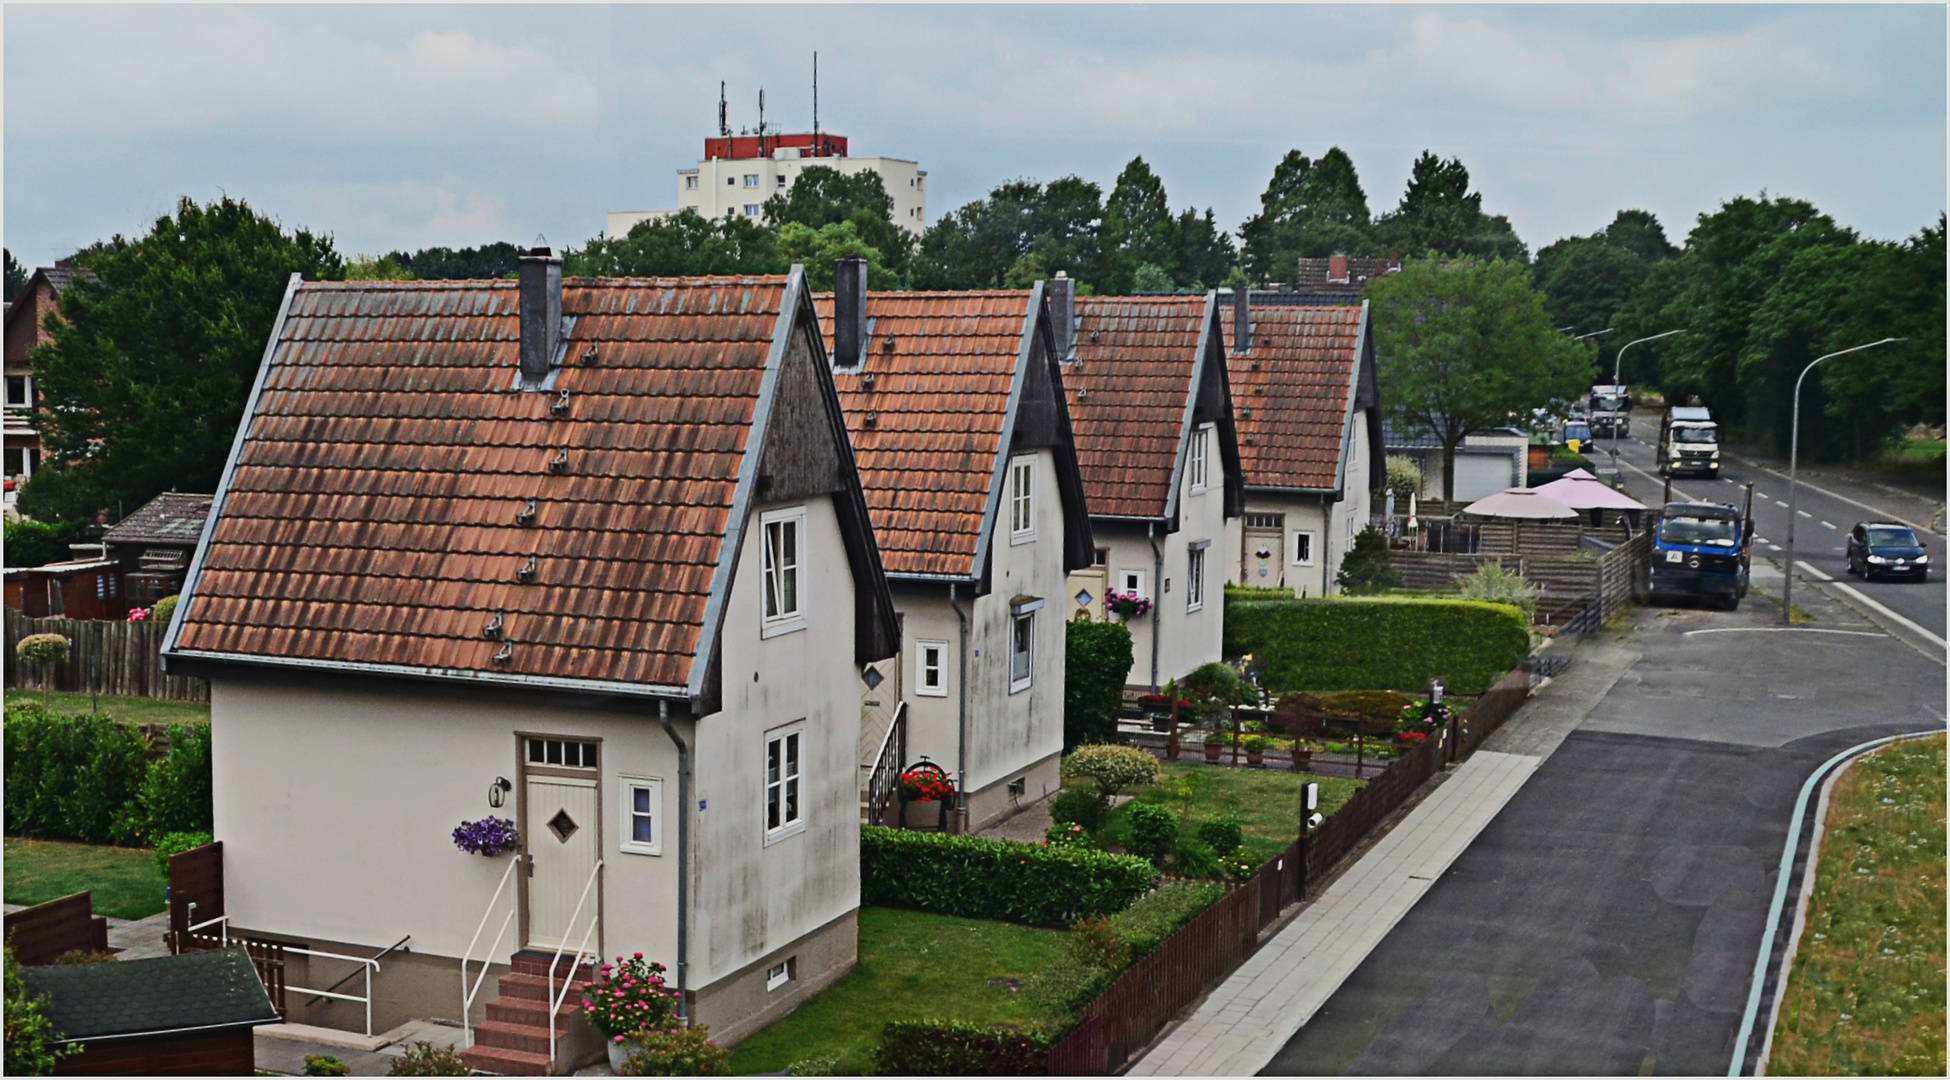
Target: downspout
{"x":683,"y":862}
{"x":961,"y":722}
{"x":1157,"y":591}
{"x":1326,"y":543}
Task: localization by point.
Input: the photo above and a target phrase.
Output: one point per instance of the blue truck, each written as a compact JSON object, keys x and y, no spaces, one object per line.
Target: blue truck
{"x":1702,"y":550}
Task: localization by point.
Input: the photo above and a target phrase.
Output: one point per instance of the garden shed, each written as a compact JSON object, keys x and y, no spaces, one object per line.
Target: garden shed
{"x":189,"y":1015}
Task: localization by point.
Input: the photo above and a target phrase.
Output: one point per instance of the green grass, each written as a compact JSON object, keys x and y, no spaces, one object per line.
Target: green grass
{"x":124,"y":881}
{"x":1267,"y":801}
{"x":1866,"y":993}
{"x":134,"y":710}
{"x":913,"y":966}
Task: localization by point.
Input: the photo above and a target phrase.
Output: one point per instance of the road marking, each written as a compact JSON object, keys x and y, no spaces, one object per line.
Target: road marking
{"x":1779,"y":630}
{"x":1779,"y":503}
{"x":1773,"y":547}
{"x":1826,"y":525}
{"x":1804,"y":513}
{"x":1852,"y":591}
{"x":1836,"y":495}
{"x":1820,"y":574}
{"x":1763,"y":494}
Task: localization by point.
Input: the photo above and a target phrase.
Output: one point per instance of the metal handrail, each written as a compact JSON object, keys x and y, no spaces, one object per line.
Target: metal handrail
{"x":467,"y":995}
{"x":555,"y":1005}
{"x":893,"y":746}
{"x":371,"y":968}
{"x":224,"y":919}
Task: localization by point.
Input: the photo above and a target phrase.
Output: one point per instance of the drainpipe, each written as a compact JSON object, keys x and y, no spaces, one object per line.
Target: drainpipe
{"x":1157,"y":596}
{"x":1326,"y":543}
{"x":683,"y":862}
{"x":961,"y":723}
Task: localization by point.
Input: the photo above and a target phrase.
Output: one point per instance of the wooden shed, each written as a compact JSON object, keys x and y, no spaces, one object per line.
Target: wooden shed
{"x":189,"y":1015}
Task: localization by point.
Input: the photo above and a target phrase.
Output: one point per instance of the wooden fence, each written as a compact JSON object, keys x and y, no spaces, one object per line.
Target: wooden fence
{"x":45,"y":932}
{"x":122,"y":658}
{"x":1496,"y":705}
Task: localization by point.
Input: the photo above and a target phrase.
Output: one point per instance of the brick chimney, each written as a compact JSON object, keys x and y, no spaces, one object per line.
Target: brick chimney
{"x":541,"y":314}
{"x":849,"y":311}
{"x":1242,"y":319}
{"x":1063,"y":315}
{"x":1337,"y":269}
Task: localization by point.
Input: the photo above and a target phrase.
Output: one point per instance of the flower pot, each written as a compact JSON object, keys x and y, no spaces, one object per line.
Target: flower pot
{"x":1172,"y":750}
{"x":1160,"y":721}
{"x":619,"y":1052}
{"x":921,"y":814}
{"x":1302,"y":759}
{"x":1256,"y":758}
{"x":1213,"y":750}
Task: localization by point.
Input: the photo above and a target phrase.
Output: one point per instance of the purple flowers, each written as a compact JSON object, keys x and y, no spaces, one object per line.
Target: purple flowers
{"x":488,"y":836}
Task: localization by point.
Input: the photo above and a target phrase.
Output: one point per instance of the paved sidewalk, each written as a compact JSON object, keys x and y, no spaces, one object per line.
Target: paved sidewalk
{"x":1250,"y":1016}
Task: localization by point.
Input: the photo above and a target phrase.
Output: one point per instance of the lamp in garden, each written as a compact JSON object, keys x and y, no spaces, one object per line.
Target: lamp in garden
{"x":42,"y":652}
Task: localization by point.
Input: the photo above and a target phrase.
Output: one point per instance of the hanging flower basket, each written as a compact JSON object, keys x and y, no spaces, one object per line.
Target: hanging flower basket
{"x":925,"y":784}
{"x":488,"y":836}
{"x":1126,"y":605}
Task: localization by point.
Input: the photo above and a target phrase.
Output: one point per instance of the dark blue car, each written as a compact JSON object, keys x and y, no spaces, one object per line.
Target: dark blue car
{"x":1879,"y":549}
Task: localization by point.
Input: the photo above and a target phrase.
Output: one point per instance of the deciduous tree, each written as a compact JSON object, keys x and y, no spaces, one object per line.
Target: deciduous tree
{"x":823,"y":196}
{"x":685,"y":244}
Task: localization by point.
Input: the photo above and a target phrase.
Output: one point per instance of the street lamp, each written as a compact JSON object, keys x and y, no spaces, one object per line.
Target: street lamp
{"x":1616,"y":363}
{"x":1794,"y":454}
{"x":1594,"y":333}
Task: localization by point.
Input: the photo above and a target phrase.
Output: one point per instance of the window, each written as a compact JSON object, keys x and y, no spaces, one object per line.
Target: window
{"x":751,"y":179}
{"x":690,"y":182}
{"x":1133,"y":582}
{"x":780,"y":973}
{"x":781,"y":179}
{"x":1022,"y":640}
{"x":17,"y":392}
{"x":751,"y":209}
{"x":1195,"y":576}
{"x":1022,"y":499}
{"x":1303,"y":549}
{"x":782,"y":808}
{"x":16,"y":461}
{"x":1266,"y":521}
{"x":1195,"y":457}
{"x":1102,"y":557}
{"x":730,"y":181}
{"x":643,"y":802}
{"x":566,"y":753}
{"x":782,"y":531}
{"x":931,"y":662}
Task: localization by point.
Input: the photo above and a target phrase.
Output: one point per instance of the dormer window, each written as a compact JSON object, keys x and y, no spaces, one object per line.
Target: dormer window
{"x":1195,"y":457}
{"x":1022,"y":500}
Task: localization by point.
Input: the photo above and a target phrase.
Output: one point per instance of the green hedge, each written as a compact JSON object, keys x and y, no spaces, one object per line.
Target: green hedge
{"x":1096,"y":661}
{"x":1014,"y":882}
{"x":89,"y":778}
{"x":1377,"y":644}
{"x":959,"y":1048}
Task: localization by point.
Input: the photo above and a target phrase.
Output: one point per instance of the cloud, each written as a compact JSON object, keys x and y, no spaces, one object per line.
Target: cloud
{"x":405,"y":215}
{"x":1491,"y":62}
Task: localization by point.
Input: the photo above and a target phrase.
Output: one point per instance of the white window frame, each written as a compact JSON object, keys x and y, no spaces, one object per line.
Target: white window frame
{"x":690,"y":183}
{"x":785,"y":622}
{"x":1301,"y":558}
{"x":27,"y":392}
{"x":751,"y":209}
{"x":921,"y":666}
{"x":1197,"y":466}
{"x":751,"y":179}
{"x":779,"y":974}
{"x":1017,"y":622}
{"x":1195,"y":575}
{"x":793,"y":783}
{"x":1022,"y":499}
{"x":1132,"y":581}
{"x":629,"y":785}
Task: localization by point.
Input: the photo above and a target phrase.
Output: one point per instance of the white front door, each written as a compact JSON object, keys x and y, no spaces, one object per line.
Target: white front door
{"x":560,"y":836}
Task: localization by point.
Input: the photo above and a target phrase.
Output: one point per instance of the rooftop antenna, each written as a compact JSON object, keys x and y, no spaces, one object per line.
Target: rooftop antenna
{"x":761,"y":122}
{"x":724,"y":123}
{"x":815,"y":100}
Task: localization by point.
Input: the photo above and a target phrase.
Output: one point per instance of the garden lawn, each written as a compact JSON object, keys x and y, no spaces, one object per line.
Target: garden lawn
{"x":1866,"y":993}
{"x":134,"y":710}
{"x":1267,"y":801}
{"x":124,"y":881}
{"x":913,"y":966}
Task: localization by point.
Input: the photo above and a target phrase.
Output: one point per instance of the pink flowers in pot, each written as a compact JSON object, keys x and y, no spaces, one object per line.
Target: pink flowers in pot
{"x":628,"y":996}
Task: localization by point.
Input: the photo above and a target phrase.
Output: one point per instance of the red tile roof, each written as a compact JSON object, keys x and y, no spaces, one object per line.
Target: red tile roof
{"x":927,"y":432}
{"x":1135,"y":358}
{"x":1291,"y":394}
{"x":371,"y":516}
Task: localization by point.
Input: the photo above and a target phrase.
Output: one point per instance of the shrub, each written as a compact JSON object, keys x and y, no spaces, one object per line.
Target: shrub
{"x":977,"y":878}
{"x":1222,"y":834}
{"x":1069,"y":834}
{"x":815,"y":1066}
{"x":1096,"y":661}
{"x":1360,"y":644}
{"x":425,"y":1059}
{"x":629,"y":996}
{"x":72,"y":777}
{"x":325,"y":1065}
{"x":1493,"y":583}
{"x":42,"y":652}
{"x":175,"y":795}
{"x":1194,"y":859}
{"x":1065,"y":987}
{"x":1096,"y":943}
{"x":1404,"y":479}
{"x":958,"y":1048}
{"x":1154,"y":831}
{"x":1111,"y":768}
{"x":676,"y":1052}
{"x":1368,"y":568}
{"x":77,"y":957}
{"x":165,"y":608}
{"x":32,"y":1044}
{"x":1213,"y":685}
{"x":1078,"y":806}
{"x":1238,"y":866}
{"x":37,"y":543}
{"x":175,"y":844}
{"x":1155,"y":917}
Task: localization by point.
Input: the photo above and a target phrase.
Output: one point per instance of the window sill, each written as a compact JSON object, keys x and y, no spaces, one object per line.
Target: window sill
{"x":787,"y":833}
{"x":781,"y":628}
{"x":1021,"y":538}
{"x":1019,"y":687}
{"x":941,"y":693}
{"x":639,"y":849}
{"x":1189,"y":608}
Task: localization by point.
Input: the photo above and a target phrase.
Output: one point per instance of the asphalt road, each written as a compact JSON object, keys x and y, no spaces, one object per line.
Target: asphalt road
{"x":1608,"y":920}
{"x":1821,"y":532}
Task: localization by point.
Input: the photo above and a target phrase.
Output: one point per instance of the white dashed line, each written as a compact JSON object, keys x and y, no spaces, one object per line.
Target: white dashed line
{"x":1778,"y":502}
{"x":1773,"y":547}
{"x":1826,"y":525}
{"x":1804,"y":513}
{"x":1763,"y":494}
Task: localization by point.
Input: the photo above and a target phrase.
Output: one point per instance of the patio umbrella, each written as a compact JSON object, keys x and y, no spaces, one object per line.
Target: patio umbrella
{"x":1523,"y":504}
{"x":1580,"y":490}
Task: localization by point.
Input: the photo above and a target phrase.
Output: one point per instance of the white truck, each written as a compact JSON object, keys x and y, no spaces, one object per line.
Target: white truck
{"x":1689,"y":442}
{"x":1610,"y":413}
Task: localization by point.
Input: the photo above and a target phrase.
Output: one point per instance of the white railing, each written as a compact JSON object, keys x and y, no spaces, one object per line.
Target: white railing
{"x":371,"y":968}
{"x":469,"y":993}
{"x":581,"y":954}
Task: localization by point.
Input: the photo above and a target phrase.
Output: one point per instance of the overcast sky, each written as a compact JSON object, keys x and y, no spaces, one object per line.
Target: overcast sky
{"x":409,"y":126}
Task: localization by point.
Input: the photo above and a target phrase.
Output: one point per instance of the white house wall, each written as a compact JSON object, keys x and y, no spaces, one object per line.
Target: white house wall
{"x":1186,"y":638}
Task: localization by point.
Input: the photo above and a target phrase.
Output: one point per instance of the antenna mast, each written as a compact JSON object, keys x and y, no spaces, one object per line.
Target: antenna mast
{"x":761,"y":122}
{"x":724,"y":123}
{"x":815,"y":101}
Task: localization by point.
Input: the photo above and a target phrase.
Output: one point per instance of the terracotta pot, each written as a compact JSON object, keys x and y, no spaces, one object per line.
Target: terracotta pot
{"x":1172,"y":750}
{"x":1255,"y":757}
{"x":1213,"y":750}
{"x":1302,"y":759}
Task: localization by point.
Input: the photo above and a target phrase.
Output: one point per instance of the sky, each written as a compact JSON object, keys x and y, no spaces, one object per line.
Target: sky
{"x":401,"y":127}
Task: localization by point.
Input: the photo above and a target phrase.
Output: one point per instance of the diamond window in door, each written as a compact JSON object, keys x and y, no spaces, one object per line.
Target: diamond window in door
{"x":562,"y":825}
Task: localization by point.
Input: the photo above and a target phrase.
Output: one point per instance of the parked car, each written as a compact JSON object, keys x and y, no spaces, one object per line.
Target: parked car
{"x":1879,"y":549}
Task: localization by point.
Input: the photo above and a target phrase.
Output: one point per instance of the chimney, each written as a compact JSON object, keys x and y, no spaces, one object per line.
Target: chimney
{"x":1394,"y":264}
{"x":1337,"y":269}
{"x":1063,"y":312}
{"x":849,"y":311}
{"x":1242,"y":319}
{"x":541,"y":314}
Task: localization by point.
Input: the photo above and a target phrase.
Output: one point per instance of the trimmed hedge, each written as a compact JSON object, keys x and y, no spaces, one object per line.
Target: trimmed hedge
{"x":89,"y":778}
{"x":1156,"y":917}
{"x":974,"y":878}
{"x":1096,"y":660}
{"x":959,"y":1048}
{"x":1374,"y":644}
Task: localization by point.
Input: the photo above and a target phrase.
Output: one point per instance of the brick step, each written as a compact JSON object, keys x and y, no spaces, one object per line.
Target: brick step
{"x":499,"y":1061}
{"x":533,"y":963}
{"x":538,"y":988}
{"x":505,"y":1036}
{"x":533,"y":1013}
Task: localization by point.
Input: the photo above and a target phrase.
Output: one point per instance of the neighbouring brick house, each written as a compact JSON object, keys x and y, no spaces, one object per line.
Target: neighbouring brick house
{"x":40,"y":295}
{"x":1308,"y":413}
{"x":955,"y":405}
{"x":1161,"y":469}
{"x":603,"y":537}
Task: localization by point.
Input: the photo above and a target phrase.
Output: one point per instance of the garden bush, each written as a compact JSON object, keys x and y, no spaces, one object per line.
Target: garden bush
{"x":1154,"y":831}
{"x":1078,"y":806}
{"x":33,"y":1047}
{"x":1195,"y":859}
{"x":1493,"y":583}
{"x":1381,"y":705}
{"x":1398,"y":644}
{"x":425,"y":1059}
{"x":1095,"y":942}
{"x":1222,"y":834}
{"x":1111,"y":768}
{"x":164,"y":609}
{"x":175,"y":795}
{"x":1064,"y":988}
{"x":1096,"y":661}
{"x":959,"y":1048}
{"x":676,"y":1052}
{"x":1367,"y":567}
{"x":1155,"y":917}
{"x":975,"y":878}
{"x":72,"y":777}
{"x":37,"y":543}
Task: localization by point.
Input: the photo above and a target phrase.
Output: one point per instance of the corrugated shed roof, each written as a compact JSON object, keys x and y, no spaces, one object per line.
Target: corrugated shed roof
{"x":372,"y":514}
{"x":1291,"y":394}
{"x":170,"y":518}
{"x":1135,"y":357}
{"x":927,"y":431}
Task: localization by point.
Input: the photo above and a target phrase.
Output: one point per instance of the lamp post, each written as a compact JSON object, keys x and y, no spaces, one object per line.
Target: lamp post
{"x":1794,"y":455}
{"x":1617,"y":362}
